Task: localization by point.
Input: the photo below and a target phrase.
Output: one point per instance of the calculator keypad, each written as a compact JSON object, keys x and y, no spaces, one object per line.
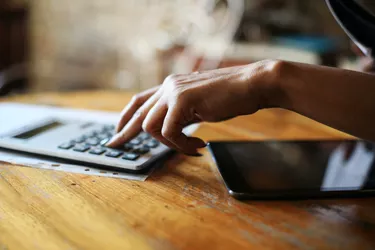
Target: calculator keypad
{"x":94,"y":142}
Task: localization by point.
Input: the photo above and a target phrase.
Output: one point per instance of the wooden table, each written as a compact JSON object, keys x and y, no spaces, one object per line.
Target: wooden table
{"x":181,"y":206}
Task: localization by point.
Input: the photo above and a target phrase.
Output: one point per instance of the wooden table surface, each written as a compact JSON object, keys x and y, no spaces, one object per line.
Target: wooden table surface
{"x":184,"y":205}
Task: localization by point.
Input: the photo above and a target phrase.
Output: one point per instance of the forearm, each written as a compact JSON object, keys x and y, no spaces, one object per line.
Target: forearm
{"x":339,"y":98}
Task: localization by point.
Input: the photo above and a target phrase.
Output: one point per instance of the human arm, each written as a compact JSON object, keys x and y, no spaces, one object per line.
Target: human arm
{"x":339,"y":98}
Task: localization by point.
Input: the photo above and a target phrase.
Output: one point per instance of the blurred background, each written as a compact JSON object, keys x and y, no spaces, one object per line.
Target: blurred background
{"x":134,"y":44}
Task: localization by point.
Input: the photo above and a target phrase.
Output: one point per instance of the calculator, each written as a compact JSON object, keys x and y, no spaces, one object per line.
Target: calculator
{"x":83,"y":141}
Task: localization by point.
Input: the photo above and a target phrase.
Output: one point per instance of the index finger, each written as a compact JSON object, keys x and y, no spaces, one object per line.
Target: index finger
{"x":135,"y":103}
{"x":134,"y":126}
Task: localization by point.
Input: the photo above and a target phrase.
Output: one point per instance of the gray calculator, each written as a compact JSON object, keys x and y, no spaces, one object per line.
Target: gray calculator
{"x":84,"y":142}
{"x":75,"y":135}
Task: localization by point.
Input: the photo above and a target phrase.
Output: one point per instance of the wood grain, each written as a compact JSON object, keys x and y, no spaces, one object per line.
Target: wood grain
{"x":184,"y":205}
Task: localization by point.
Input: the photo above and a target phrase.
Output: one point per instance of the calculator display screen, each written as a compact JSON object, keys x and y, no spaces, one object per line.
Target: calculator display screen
{"x":36,"y":131}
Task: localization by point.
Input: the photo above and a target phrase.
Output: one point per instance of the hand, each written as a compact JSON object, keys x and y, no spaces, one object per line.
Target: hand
{"x":181,"y":100}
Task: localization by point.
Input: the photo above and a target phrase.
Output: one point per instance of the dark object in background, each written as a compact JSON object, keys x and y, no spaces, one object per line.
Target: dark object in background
{"x":13,"y":48}
{"x":357,"y":20}
{"x":291,"y":24}
{"x":268,"y":18}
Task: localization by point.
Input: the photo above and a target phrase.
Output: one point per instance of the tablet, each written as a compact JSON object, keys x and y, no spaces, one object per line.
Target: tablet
{"x":296,"y":169}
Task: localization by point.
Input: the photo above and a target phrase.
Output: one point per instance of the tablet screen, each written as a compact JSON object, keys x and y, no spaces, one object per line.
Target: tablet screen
{"x":299,"y":165}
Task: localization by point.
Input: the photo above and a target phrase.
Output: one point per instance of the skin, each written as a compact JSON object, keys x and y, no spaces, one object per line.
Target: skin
{"x":339,"y":98}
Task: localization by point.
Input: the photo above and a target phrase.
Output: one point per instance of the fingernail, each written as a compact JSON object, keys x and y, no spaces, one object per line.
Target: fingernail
{"x":111,"y":140}
{"x":203,"y":145}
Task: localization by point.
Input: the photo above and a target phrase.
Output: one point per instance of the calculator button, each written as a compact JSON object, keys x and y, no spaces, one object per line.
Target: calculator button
{"x":152,"y":143}
{"x":81,"y":148}
{"x":142,"y":150}
{"x":104,"y":141}
{"x":68,"y":145}
{"x":97,"y":151}
{"x":143,"y":136}
{"x":130,"y":156}
{"x":128,"y":146}
{"x":102,"y":136}
{"x":80,"y":139}
{"x":92,"y":141}
{"x":113,"y":153}
{"x":135,"y":141}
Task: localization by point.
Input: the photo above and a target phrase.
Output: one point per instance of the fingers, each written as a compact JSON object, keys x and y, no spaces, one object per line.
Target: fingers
{"x":173,"y":125}
{"x":160,"y":112}
{"x":134,"y":125}
{"x":153,"y":123}
{"x":161,"y":120}
{"x":136,"y":102}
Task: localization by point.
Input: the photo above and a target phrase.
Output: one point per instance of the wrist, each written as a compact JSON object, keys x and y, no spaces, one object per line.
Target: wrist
{"x":271,"y":85}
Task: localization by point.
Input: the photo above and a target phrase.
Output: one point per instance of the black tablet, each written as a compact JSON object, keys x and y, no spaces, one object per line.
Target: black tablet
{"x":296,"y":169}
